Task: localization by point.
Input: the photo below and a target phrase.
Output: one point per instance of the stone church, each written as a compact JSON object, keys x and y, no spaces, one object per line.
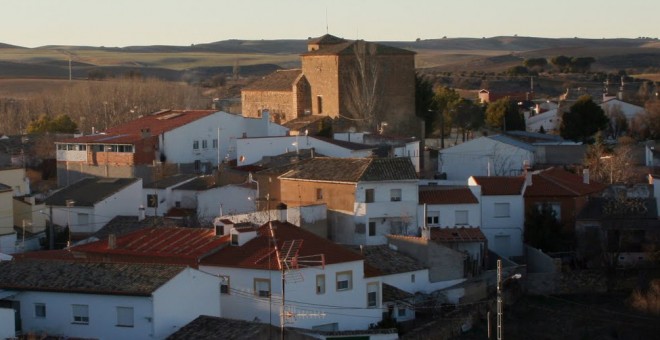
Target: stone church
{"x":366,"y":84}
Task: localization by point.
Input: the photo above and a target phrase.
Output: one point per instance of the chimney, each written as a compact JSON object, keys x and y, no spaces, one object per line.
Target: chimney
{"x":112,"y":241}
{"x":585,"y":176}
{"x":528,"y":178}
{"x":281,"y":209}
{"x":141,"y":213}
{"x":265,"y":115}
{"x":311,"y":152}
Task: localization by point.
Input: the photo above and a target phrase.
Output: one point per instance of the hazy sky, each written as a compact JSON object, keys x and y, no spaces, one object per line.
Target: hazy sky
{"x":108,"y":23}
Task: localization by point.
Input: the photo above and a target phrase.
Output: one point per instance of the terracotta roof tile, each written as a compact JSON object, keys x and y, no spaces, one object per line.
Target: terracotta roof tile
{"x":500,"y":185}
{"x":353,"y":170}
{"x":455,"y":235}
{"x":85,"y":277}
{"x":559,"y":182}
{"x":211,"y":327}
{"x":441,"y":195}
{"x":130,"y":132}
{"x":280,"y":80}
{"x":394,"y":294}
{"x":255,"y":253}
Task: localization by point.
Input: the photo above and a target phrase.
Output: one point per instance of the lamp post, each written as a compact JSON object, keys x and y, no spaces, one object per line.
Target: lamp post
{"x":500,"y":310}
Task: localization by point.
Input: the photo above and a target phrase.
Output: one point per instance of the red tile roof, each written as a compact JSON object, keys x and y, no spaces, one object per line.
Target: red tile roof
{"x":558,"y":182}
{"x":500,"y":185}
{"x":130,"y":132}
{"x":161,"y":245}
{"x":445,"y":235}
{"x":256,"y":253}
{"x":440,"y":195}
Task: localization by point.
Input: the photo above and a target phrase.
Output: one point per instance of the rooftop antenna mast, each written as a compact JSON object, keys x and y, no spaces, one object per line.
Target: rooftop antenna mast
{"x":326,"y":20}
{"x":289,"y":263}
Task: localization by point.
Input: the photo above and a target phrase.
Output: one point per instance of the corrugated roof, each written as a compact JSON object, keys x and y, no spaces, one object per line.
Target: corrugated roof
{"x":442,"y":195}
{"x":500,"y":185}
{"x":558,"y":182}
{"x":457,"y":235}
{"x":255,"y":253}
{"x":157,"y":123}
{"x":85,"y":277}
{"x":280,"y":80}
{"x":89,"y":191}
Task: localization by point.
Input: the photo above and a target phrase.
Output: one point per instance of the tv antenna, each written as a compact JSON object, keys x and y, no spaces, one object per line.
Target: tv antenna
{"x":289,"y":264}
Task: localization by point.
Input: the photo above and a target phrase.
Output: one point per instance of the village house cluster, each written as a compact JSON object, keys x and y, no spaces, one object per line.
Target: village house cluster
{"x":192,"y":223}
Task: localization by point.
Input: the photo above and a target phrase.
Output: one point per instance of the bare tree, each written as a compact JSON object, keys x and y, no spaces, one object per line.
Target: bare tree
{"x":611,"y":166}
{"x":365,"y":89}
{"x":618,"y":123}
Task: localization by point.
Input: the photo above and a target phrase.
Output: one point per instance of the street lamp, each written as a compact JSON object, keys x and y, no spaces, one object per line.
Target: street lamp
{"x":500,"y":310}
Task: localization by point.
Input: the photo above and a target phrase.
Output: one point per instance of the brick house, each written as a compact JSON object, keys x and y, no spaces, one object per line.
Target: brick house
{"x":329,"y":67}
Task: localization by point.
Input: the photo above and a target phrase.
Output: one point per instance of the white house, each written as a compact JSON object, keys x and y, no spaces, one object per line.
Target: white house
{"x":367,"y":198}
{"x":7,"y":233}
{"x":448,"y":206}
{"x":502,"y":212}
{"x":326,"y":287}
{"x":87,"y":205}
{"x":550,"y":121}
{"x":252,"y":150}
{"x":16,"y":179}
{"x":498,"y":155}
{"x":627,"y":109}
{"x":106,"y":300}
{"x":210,"y":200}
{"x":157,"y":197}
{"x":193,"y":140}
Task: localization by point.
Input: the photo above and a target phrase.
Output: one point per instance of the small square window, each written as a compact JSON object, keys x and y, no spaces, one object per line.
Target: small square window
{"x":205,"y":144}
{"x":125,"y":317}
{"x":502,"y":210}
{"x":80,"y":314}
{"x":433,"y":218}
{"x":395,"y":195}
{"x":319,"y":194}
{"x":40,"y":310}
{"x":195,"y":145}
{"x":372,"y":295}
{"x":461,"y":217}
{"x":344,"y":280}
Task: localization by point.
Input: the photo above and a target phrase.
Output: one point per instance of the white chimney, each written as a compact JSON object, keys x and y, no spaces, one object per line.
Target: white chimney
{"x":528,"y":178}
{"x":141,"y":213}
{"x":112,"y":241}
{"x":585,"y":176}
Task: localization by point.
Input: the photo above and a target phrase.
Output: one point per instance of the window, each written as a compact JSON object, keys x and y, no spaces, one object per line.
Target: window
{"x":433,"y":217}
{"x":369,"y":196}
{"x":234,"y":239}
{"x":319,"y":103}
{"x":319,"y":194}
{"x":80,"y":314}
{"x":372,"y":228}
{"x":556,"y":207}
{"x":124,"y":316}
{"x":320,"y":284}
{"x":215,"y":143}
{"x":344,"y":280}
{"x":39,"y":310}
{"x":224,"y":284}
{"x":501,"y":210}
{"x":372,"y":295}
{"x":395,"y":195}
{"x":195,"y":145}
{"x":262,"y":288}
{"x":461,"y":217}
{"x":412,"y":278}
{"x":401,"y":312}
{"x":205,"y":144}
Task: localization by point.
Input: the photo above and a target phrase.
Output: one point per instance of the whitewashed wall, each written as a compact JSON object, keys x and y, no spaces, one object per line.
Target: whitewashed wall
{"x":16,"y":179}
{"x":448,"y":214}
{"x":7,"y":323}
{"x":234,"y":199}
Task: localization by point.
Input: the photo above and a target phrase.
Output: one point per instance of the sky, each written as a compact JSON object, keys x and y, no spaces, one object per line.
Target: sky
{"x":110,"y":23}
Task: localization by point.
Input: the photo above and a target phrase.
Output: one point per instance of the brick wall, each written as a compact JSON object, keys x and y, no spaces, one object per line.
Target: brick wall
{"x":322,"y":73}
{"x":337,"y":196}
{"x":280,"y":104}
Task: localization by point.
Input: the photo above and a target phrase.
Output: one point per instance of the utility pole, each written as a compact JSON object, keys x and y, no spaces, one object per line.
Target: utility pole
{"x":499,"y":299}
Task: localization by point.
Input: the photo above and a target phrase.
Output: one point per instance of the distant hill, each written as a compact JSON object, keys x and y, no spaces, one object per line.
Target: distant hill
{"x":258,"y":57}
